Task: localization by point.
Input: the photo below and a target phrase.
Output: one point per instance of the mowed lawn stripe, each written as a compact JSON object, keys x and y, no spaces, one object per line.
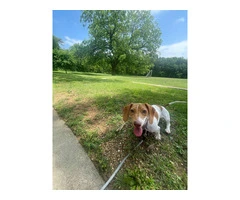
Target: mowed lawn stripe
{"x":166,"y":86}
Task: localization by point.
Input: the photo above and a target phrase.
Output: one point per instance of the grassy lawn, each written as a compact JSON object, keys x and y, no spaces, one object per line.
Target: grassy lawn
{"x":91,"y":105}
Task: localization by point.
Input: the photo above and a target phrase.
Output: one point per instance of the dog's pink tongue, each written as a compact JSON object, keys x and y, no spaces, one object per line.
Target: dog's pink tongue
{"x":137,"y":131}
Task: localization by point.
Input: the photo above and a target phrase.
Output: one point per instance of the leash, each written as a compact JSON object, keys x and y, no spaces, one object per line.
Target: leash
{"x":174,"y":103}
{"x":119,"y":166}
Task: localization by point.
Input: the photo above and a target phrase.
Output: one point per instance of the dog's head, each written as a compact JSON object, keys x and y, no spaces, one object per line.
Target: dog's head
{"x":139,"y":113}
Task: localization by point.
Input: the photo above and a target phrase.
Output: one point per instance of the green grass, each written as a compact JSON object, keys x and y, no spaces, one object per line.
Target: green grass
{"x":91,"y":105}
{"x":181,"y":83}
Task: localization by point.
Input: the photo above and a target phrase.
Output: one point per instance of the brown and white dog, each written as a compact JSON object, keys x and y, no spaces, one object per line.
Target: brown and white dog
{"x":145,"y":116}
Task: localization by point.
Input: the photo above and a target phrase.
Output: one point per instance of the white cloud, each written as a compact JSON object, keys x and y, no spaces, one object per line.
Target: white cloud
{"x":174,"y":50}
{"x":181,"y":19}
{"x":70,"y":41}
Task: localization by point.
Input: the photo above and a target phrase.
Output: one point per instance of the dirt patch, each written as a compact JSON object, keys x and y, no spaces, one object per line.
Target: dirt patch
{"x":113,"y":150}
{"x":58,"y":97}
{"x":68,"y":97}
{"x":95,"y":121}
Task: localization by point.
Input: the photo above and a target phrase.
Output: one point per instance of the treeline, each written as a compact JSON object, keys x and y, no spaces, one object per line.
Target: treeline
{"x":175,"y":67}
{"x":76,"y":58}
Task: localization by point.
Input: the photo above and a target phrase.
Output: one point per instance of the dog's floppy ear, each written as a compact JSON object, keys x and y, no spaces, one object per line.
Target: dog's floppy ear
{"x":151,"y":112}
{"x":126,"y":112}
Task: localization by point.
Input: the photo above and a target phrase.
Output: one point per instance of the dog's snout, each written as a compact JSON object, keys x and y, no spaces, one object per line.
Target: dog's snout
{"x":137,"y":123}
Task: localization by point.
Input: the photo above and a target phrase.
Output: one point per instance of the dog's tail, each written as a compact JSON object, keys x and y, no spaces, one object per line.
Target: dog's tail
{"x":174,"y":103}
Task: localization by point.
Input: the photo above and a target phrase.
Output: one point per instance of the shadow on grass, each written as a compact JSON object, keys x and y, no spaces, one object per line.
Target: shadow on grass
{"x":91,"y":74}
{"x":114,"y":104}
{"x":60,"y":77}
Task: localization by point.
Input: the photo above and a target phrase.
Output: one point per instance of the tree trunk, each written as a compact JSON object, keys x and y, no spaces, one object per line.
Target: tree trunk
{"x":114,"y":64}
{"x":114,"y":70}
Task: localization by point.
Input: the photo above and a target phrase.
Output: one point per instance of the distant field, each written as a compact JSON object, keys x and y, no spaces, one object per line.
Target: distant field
{"x":91,"y":105}
{"x":181,"y":83}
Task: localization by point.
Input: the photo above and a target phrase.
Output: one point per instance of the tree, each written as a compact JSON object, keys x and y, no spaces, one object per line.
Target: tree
{"x":63,"y":59}
{"x":57,"y":42}
{"x":126,"y":40}
{"x":79,"y":53}
{"x":175,"y":67}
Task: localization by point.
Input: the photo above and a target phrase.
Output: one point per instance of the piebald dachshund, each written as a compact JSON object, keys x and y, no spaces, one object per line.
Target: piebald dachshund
{"x":145,"y":116}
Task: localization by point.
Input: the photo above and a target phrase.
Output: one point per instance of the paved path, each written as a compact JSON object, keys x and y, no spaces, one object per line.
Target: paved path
{"x":72,"y":168}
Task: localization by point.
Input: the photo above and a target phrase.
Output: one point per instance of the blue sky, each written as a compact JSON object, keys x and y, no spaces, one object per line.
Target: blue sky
{"x":173,"y":25}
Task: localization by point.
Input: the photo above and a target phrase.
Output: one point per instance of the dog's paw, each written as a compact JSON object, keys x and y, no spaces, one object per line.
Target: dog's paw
{"x":168,"y":130}
{"x":158,"y":136}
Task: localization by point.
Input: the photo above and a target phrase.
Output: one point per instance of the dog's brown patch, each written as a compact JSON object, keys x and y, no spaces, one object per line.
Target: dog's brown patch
{"x":156,"y":115}
{"x":135,"y":110}
{"x":160,"y":107}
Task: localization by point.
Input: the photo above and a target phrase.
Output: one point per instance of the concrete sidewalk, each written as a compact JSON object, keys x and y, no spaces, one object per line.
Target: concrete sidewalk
{"x":72,"y":168}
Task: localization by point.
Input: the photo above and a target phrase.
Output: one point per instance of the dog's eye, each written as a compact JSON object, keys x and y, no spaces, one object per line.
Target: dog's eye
{"x":144,"y":111}
{"x":132,"y":111}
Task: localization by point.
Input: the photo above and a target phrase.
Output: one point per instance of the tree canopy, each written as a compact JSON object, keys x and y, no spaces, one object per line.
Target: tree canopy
{"x":126,"y":40}
{"x":57,"y":42}
{"x":175,"y":67}
{"x":62,"y":59}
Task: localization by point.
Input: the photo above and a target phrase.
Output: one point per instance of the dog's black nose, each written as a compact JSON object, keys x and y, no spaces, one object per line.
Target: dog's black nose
{"x":136,"y":123}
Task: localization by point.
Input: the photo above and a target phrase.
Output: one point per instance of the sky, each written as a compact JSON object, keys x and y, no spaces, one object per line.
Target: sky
{"x":173,"y":25}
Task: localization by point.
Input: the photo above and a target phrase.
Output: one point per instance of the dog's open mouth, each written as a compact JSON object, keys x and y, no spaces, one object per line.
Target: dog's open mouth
{"x":137,"y":130}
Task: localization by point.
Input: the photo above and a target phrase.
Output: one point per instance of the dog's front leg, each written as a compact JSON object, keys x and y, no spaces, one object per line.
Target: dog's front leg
{"x":157,"y":134}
